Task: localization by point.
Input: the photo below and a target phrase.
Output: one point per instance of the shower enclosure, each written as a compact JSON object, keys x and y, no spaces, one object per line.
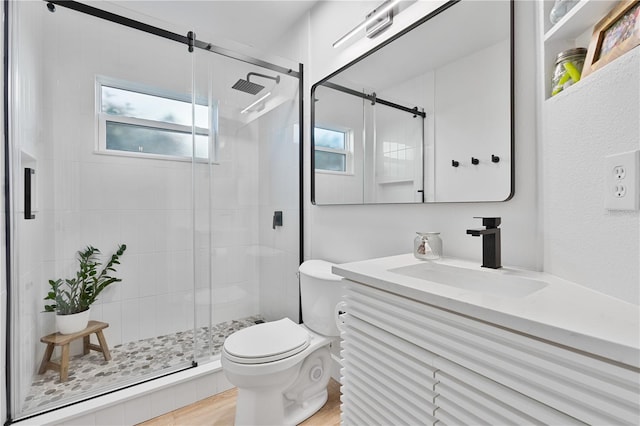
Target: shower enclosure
{"x":134,"y":135}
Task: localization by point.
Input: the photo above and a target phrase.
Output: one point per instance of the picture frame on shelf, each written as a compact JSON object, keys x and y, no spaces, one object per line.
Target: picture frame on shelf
{"x":613,"y":36}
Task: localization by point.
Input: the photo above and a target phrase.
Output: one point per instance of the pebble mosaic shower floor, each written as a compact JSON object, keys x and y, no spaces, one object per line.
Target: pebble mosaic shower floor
{"x":129,"y":361}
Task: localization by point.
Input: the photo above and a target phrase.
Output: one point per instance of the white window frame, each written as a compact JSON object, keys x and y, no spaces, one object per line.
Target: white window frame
{"x":102,"y":119}
{"x":347,"y":151}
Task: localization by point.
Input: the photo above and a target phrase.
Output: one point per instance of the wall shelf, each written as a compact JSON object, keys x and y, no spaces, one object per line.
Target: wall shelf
{"x":395,"y":181}
{"x":573,"y":30}
{"x":582,"y":17}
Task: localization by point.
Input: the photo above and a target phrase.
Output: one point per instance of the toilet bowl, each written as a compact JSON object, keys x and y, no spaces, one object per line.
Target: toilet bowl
{"x":281,"y":368}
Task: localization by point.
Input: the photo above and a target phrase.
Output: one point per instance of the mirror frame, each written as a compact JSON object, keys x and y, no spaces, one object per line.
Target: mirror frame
{"x":384,"y":43}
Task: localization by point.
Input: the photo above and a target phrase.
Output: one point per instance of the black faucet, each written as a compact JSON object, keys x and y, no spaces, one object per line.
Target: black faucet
{"x":490,"y":241}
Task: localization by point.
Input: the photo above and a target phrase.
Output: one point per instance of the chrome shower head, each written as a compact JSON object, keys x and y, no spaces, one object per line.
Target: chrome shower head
{"x":250,"y":87}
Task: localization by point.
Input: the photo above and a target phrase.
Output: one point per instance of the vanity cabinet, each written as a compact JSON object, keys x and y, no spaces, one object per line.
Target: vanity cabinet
{"x":408,"y":362}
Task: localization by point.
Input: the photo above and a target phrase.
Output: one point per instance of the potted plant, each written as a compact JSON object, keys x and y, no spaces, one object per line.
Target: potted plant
{"x":72,"y":297}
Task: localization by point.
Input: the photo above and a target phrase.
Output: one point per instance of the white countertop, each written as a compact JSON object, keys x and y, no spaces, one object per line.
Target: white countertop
{"x":562,"y":312}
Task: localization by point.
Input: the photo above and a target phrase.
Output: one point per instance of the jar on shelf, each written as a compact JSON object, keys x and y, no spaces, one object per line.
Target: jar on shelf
{"x":559,"y":9}
{"x":568,"y":69}
{"x":427,"y":246}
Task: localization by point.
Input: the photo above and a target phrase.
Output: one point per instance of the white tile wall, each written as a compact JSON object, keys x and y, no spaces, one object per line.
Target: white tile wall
{"x":105,"y":200}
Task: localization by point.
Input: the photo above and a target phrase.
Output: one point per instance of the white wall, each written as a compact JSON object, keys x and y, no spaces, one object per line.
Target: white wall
{"x":584,"y":242}
{"x":348,"y":233}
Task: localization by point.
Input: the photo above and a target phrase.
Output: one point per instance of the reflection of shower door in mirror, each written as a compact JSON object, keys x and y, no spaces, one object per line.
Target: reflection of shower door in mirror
{"x":368,"y":147}
{"x":394,"y":157}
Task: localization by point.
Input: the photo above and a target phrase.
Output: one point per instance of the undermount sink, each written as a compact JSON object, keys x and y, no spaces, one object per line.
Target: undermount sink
{"x":500,"y":283}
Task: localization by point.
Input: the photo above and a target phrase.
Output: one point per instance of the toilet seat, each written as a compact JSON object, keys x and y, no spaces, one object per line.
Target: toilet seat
{"x":267,"y":342}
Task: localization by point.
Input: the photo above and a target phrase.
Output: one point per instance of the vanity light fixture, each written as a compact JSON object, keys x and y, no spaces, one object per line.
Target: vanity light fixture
{"x":379,"y":12}
{"x":244,"y":111}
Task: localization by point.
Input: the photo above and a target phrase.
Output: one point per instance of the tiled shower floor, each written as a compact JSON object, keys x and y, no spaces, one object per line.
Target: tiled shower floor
{"x":129,"y":361}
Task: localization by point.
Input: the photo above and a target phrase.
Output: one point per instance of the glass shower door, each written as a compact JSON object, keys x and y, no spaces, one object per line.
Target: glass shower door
{"x":106,"y":123}
{"x":253,"y":174}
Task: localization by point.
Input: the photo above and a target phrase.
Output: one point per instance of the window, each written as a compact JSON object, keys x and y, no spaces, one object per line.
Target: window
{"x":332,"y":150}
{"x":149,"y":123}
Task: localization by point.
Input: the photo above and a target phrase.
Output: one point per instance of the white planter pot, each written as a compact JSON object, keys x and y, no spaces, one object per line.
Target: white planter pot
{"x":69,"y":324}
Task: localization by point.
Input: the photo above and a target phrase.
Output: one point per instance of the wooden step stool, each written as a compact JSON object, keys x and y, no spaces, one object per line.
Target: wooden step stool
{"x":57,"y":339}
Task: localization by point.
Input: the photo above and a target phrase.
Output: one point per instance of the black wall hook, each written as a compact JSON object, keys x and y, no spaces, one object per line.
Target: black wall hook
{"x":455,"y":163}
{"x":51,"y":7}
{"x":474,"y":161}
{"x":495,"y":158}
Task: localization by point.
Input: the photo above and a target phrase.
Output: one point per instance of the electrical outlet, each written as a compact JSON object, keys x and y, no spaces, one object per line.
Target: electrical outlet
{"x":619,"y":172}
{"x":622,"y":181}
{"x":620,"y":190}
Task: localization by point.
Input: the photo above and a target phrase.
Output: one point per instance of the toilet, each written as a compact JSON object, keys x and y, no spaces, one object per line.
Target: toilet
{"x":281,"y":368}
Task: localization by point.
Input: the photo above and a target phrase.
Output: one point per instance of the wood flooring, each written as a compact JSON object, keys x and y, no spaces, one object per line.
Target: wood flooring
{"x":220,"y":410}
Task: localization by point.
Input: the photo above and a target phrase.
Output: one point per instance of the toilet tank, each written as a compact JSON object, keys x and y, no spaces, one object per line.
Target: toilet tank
{"x":320,"y":291}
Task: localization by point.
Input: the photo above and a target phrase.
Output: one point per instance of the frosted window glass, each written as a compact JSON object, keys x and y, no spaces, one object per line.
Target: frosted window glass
{"x":140,"y":105}
{"x":149,"y":140}
{"x":332,"y":161}
{"x":329,"y":138}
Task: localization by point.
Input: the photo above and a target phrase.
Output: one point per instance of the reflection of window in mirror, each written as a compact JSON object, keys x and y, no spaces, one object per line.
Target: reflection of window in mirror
{"x":333,"y":150}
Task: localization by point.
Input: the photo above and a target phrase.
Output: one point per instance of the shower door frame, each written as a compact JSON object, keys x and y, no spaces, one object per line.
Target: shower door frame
{"x":191,"y":42}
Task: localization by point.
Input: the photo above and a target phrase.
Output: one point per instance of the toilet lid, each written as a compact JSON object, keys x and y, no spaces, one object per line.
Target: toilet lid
{"x":267,"y":342}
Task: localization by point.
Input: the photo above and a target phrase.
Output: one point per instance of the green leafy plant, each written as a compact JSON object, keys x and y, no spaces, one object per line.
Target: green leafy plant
{"x":74,"y":295}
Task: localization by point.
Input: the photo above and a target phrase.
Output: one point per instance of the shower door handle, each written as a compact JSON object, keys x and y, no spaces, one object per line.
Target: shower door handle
{"x":277,"y":219}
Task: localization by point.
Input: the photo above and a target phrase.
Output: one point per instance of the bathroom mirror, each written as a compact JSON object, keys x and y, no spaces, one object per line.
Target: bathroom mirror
{"x":427,"y":116}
